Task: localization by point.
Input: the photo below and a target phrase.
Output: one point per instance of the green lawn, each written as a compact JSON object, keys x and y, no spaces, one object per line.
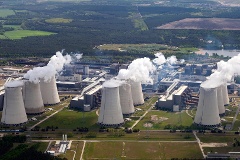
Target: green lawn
{"x":180,"y":118}
{"x":15,"y":27}
{"x":6,"y":12}
{"x":69,"y":119}
{"x":217,"y":137}
{"x":2,"y":37}
{"x":141,"y":150}
{"x":18,"y":34}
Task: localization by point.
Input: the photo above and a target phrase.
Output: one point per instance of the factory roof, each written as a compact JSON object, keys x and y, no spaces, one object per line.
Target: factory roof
{"x":181,"y":90}
{"x":95,"y":89}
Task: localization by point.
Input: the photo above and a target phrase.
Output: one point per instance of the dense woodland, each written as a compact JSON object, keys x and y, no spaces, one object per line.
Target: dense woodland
{"x":94,"y":24}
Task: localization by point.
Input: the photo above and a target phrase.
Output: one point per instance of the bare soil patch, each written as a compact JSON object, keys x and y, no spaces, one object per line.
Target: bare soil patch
{"x":204,"y":23}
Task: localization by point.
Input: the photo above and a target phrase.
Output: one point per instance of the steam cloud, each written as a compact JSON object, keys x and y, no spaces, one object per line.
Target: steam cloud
{"x":112,"y":83}
{"x":139,"y":70}
{"x":160,"y":59}
{"x":54,"y":66}
{"x":224,"y":73}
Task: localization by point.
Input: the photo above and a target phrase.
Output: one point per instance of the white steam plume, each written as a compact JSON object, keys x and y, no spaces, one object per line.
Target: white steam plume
{"x":172,"y":60}
{"x":160,"y":60}
{"x":139,"y":70}
{"x":112,"y":83}
{"x":54,"y":66}
{"x":224,"y":73}
{"x":78,"y":56}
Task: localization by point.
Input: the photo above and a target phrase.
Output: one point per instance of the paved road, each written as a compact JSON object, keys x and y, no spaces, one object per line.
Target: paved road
{"x":199,"y":143}
{"x":235,"y":117}
{"x":84,"y":143}
{"x":142,"y":115}
{"x":47,"y":117}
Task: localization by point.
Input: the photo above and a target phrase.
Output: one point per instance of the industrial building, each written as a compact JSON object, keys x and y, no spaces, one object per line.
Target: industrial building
{"x":176,"y":98}
{"x":13,"y":111}
{"x":32,"y":98}
{"x":110,"y":110}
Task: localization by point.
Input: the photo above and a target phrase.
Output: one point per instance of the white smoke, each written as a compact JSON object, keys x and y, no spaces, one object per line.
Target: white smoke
{"x":54,"y":66}
{"x":14,"y":84}
{"x":224,"y":73}
{"x":78,"y":56}
{"x":160,"y":60}
{"x":139,"y":71}
{"x":112,"y":83}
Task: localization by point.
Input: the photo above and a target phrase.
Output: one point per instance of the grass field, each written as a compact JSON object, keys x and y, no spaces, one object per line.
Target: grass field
{"x":15,"y":27}
{"x":69,"y":119}
{"x":217,"y":137}
{"x":222,"y":150}
{"x":179,"y":118}
{"x":6,"y":12}
{"x":58,"y":20}
{"x":141,"y":150}
{"x":138,"y":21}
{"x":18,"y":34}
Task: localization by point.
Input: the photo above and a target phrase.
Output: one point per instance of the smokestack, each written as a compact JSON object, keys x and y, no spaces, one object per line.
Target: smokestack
{"x":207,"y":111}
{"x":126,"y":100}
{"x":13,"y":110}
{"x":110,"y":110}
{"x":137,"y":94}
{"x":49,"y":91}
{"x":32,"y":98}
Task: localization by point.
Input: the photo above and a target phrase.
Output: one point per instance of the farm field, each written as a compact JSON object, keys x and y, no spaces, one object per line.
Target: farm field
{"x":58,"y":20}
{"x":6,"y":12}
{"x":141,"y":150}
{"x":18,"y":34}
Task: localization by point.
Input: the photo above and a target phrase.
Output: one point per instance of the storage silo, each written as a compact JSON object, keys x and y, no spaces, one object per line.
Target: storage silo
{"x":225,"y":94}
{"x":126,"y":100}
{"x":207,"y":111}
{"x":110,"y":110}
{"x":137,"y":94}
{"x":32,"y":98}
{"x":13,"y":111}
{"x":220,"y":101}
{"x":49,"y":91}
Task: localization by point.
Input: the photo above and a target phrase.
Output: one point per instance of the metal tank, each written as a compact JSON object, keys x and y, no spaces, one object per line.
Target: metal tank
{"x":126,"y":100}
{"x":207,"y":111}
{"x":137,"y":94}
{"x":110,"y":110}
{"x":32,"y":98}
{"x":49,"y":92}
{"x":13,"y":110}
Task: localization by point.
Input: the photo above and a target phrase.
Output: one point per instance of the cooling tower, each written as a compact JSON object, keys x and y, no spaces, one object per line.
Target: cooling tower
{"x":207,"y":111}
{"x":32,"y":98}
{"x":13,"y":110}
{"x":110,"y":110}
{"x":137,"y":94}
{"x":225,"y":94}
{"x":126,"y":100}
{"x":221,"y":107}
{"x":49,"y":92}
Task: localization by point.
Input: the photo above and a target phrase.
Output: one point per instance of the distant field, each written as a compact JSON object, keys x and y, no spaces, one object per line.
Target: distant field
{"x":18,"y":34}
{"x":6,"y":12}
{"x":141,"y":150}
{"x":204,"y":23}
{"x":15,"y":27}
{"x":58,"y":20}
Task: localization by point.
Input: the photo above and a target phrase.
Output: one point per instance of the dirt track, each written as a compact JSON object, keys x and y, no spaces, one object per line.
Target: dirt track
{"x":204,"y":23}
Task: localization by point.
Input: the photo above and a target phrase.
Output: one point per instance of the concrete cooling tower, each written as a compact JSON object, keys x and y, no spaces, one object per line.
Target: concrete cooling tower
{"x":49,"y":92}
{"x":32,"y":98}
{"x":225,"y":94}
{"x":221,"y":107}
{"x":126,"y":100}
{"x":207,"y":111}
{"x":13,"y":110}
{"x":110,"y":110}
{"x":137,"y":94}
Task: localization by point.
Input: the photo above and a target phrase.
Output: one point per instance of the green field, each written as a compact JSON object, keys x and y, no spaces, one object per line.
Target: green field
{"x":58,"y":20}
{"x":15,"y":27}
{"x":69,"y":119}
{"x":18,"y":34}
{"x":173,"y":119}
{"x":141,"y":150}
{"x":6,"y":12}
